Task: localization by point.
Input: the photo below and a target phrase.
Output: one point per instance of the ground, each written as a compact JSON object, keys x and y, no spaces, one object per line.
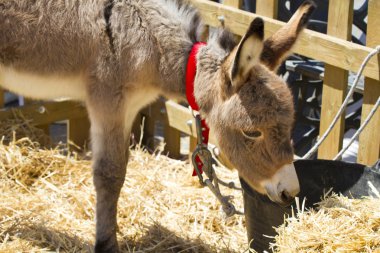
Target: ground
{"x":47,"y":204}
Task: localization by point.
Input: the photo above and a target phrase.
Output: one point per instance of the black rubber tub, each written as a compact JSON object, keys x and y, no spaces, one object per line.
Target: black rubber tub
{"x":316,"y":177}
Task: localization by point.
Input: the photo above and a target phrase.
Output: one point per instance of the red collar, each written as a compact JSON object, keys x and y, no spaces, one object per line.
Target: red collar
{"x":191,"y":71}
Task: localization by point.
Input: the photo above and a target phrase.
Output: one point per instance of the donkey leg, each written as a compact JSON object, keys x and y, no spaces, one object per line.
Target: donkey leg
{"x":110,"y":158}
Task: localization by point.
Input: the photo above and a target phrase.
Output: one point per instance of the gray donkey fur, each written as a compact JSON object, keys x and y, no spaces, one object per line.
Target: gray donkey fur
{"x":119,"y":55}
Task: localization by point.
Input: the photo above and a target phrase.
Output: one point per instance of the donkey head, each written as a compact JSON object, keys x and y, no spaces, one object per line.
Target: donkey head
{"x":249,"y":108}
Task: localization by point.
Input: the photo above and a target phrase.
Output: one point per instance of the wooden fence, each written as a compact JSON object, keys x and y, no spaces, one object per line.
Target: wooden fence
{"x":334,"y":49}
{"x":43,"y":114}
{"x":339,"y":55}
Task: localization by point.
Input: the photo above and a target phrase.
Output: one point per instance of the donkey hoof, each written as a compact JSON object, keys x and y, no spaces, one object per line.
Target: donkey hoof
{"x":106,"y":247}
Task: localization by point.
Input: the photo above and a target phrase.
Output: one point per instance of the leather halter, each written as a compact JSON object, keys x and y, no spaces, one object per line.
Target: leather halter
{"x":191,"y":72}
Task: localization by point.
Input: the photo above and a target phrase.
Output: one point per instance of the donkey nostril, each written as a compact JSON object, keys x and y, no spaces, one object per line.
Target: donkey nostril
{"x":286,"y":197}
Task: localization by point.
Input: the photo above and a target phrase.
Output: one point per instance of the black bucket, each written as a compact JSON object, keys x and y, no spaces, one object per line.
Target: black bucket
{"x":316,"y":177}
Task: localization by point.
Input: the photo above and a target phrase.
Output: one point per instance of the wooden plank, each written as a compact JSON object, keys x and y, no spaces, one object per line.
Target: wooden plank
{"x":2,"y":98}
{"x":78,"y":131}
{"x":48,"y":112}
{"x":192,"y":146}
{"x":267,"y":8}
{"x":333,"y":51}
{"x":136,"y":129}
{"x":236,"y":4}
{"x":335,"y":80}
{"x":44,"y":127}
{"x":369,"y":140}
{"x":152,"y":115}
{"x":340,"y":19}
{"x":180,"y":118}
{"x":172,"y":138}
{"x":233,"y":3}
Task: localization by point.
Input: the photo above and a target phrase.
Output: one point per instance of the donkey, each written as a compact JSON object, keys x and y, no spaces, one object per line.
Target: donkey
{"x":117,"y":56}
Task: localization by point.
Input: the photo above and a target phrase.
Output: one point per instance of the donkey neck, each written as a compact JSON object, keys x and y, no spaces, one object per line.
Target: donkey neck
{"x":172,"y":27}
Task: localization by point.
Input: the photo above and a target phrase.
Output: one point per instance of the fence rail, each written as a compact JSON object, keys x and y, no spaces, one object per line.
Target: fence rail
{"x":43,"y":114}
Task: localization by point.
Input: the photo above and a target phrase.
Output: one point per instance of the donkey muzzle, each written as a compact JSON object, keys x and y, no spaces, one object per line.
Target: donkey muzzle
{"x":283,"y":186}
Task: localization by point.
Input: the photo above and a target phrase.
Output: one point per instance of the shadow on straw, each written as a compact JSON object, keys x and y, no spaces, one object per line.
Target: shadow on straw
{"x":47,"y":238}
{"x":159,"y":239}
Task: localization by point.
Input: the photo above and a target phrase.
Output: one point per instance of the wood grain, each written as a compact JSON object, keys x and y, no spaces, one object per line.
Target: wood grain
{"x":335,"y":80}
{"x":2,"y":98}
{"x":267,"y":8}
{"x":78,"y":131}
{"x":233,"y":3}
{"x":48,"y":112}
{"x":369,"y":140}
{"x":172,"y":138}
{"x":333,"y":51}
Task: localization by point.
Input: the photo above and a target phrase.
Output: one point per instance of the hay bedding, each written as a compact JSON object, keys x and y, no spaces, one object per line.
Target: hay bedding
{"x":47,"y":204}
{"x":338,"y":224}
{"x":19,"y":126}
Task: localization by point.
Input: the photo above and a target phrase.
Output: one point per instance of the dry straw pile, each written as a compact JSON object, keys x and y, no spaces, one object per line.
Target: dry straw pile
{"x":338,"y":224}
{"x":19,"y":126}
{"x":47,"y":204}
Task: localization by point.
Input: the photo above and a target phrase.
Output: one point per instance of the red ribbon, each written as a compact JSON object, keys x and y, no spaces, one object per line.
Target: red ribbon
{"x":191,"y":71}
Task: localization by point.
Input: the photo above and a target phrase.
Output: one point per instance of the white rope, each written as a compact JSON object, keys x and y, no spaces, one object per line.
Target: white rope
{"x":365,"y":123}
{"x":344,"y":104}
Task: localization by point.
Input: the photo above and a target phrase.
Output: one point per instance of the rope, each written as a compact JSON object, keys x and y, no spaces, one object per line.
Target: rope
{"x":365,"y":123}
{"x":344,"y":104}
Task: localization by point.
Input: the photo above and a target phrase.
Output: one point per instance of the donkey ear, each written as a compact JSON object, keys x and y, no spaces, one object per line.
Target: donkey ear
{"x":248,"y":51}
{"x":278,"y":46}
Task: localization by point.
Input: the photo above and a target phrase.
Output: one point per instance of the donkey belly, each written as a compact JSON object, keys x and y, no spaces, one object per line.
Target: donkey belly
{"x":42,"y":86}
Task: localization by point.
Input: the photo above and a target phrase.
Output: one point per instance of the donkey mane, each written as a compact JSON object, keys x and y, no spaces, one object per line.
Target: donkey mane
{"x":186,"y":15}
{"x":189,"y":19}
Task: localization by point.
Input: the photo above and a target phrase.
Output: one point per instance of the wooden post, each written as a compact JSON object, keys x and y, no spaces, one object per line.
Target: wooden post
{"x":172,"y":136}
{"x":149,"y":115}
{"x":237,"y":4}
{"x":267,"y":8}
{"x":2,"y":98}
{"x":78,"y":131}
{"x":335,"y":80}
{"x":172,"y":139}
{"x":233,"y":3}
{"x":157,"y":113}
{"x":369,"y":140}
{"x":337,"y":52}
{"x":136,"y":129}
{"x":192,"y":146}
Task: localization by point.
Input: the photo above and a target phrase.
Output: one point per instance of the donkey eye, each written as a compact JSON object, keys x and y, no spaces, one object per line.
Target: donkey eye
{"x":251,"y":134}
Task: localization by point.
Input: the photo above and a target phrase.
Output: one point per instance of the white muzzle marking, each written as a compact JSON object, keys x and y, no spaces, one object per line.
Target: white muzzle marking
{"x":285,"y":180}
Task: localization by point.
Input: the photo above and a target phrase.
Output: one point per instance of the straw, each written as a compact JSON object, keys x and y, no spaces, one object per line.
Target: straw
{"x":339,"y":224}
{"x":20,"y":126}
{"x":47,"y":204}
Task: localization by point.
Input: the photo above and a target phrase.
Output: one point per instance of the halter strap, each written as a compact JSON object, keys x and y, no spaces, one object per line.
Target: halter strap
{"x":191,"y":72}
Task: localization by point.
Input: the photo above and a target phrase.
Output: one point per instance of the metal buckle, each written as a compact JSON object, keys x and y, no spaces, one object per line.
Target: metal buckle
{"x":202,"y":152}
{"x":206,"y":158}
